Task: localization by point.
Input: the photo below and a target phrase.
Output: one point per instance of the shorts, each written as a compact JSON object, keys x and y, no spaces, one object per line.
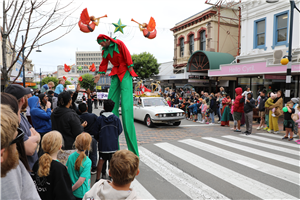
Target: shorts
{"x":288,"y":125}
{"x":195,"y":113}
{"x":105,"y":156}
{"x":262,"y":114}
{"x":237,"y":116}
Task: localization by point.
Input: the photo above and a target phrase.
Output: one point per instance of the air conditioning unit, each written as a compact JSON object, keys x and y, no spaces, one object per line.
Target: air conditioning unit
{"x":278,"y":55}
{"x":181,"y":54}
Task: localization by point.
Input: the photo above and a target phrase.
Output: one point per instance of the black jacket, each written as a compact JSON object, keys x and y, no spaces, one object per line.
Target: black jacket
{"x":91,"y":119}
{"x":261,"y":106}
{"x":57,"y":185}
{"x":213,"y":105}
{"x":248,"y":107}
{"x":67,"y":122}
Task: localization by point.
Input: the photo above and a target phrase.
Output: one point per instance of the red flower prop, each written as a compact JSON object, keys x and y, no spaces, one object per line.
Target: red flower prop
{"x":92,"y":68}
{"x":65,"y":78}
{"x":80,"y":79}
{"x":67,"y":68}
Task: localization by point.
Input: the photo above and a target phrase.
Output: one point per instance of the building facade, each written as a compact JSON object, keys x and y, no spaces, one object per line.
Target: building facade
{"x":264,"y":42}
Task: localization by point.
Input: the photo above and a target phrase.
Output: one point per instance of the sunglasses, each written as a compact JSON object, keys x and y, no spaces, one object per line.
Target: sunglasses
{"x":19,"y":137}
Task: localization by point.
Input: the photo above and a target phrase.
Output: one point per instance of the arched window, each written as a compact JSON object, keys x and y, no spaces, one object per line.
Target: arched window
{"x":202,"y":40}
{"x":191,"y":44}
{"x":181,"y":47}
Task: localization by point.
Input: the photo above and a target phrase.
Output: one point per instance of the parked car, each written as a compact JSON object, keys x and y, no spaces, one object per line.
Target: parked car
{"x":79,"y":97}
{"x":152,"y":110}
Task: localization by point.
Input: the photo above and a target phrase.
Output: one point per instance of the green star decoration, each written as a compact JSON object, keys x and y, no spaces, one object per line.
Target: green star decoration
{"x":79,"y":68}
{"x":119,"y":26}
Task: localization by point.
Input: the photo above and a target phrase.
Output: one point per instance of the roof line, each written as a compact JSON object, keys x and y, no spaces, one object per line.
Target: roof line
{"x":193,"y":15}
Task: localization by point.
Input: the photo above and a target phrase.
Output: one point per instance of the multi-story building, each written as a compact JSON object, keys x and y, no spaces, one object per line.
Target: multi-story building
{"x":204,"y":41}
{"x":87,"y":58}
{"x":264,"y":41}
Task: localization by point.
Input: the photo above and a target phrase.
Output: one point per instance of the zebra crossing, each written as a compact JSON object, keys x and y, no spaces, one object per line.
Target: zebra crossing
{"x":259,"y":166}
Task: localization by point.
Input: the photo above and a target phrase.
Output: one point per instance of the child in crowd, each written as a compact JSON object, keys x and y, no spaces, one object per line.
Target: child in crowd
{"x":298,"y":121}
{"x":169,"y":101}
{"x":79,"y":166}
{"x":234,"y":121}
{"x":108,"y":128}
{"x":51,"y":178}
{"x":203,"y":110}
{"x":288,"y":123}
{"x":124,"y":166}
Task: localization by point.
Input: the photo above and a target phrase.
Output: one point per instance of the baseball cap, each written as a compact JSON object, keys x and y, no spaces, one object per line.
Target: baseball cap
{"x":17,"y":90}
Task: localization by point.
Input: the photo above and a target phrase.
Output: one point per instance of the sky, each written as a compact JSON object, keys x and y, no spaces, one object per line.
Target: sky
{"x":165,"y":12}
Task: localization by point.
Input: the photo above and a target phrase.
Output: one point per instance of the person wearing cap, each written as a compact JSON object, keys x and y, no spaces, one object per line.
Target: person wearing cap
{"x":31,"y":136}
{"x":121,"y":74}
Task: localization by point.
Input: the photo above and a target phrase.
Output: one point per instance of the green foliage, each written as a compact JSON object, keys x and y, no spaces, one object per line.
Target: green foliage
{"x":87,"y":82}
{"x":67,"y":83}
{"x":46,"y":80}
{"x":145,"y":65}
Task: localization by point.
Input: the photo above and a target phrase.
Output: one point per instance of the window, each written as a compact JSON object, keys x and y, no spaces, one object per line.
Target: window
{"x":259,"y":40}
{"x":181,"y":47}
{"x":280,"y":35}
{"x":202,"y":41}
{"x":191,"y":45}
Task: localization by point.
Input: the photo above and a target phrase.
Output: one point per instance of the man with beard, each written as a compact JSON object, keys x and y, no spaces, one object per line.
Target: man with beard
{"x":16,"y":182}
{"x":31,"y":136}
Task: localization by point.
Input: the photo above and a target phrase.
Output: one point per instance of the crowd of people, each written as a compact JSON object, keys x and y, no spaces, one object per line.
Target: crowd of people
{"x":49,"y":147}
{"x":204,"y":107}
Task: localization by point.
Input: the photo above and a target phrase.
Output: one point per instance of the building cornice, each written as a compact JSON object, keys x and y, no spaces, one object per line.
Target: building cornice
{"x":195,"y":20}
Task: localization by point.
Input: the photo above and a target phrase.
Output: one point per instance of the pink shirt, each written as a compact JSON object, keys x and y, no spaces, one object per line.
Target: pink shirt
{"x":203,"y":108}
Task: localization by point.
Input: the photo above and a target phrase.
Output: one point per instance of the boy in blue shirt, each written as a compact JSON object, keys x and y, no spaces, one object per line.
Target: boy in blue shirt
{"x":108,"y":130}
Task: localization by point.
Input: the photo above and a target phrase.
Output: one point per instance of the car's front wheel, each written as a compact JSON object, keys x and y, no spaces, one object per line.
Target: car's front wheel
{"x":148,"y":121}
{"x":176,"y":123}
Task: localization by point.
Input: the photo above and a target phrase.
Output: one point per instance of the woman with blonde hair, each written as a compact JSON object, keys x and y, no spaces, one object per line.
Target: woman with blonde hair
{"x":51,"y":178}
{"x":79,"y":166}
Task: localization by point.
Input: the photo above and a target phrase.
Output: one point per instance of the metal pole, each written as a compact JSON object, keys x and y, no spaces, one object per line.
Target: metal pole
{"x":289,"y":65}
{"x":23,"y":62}
{"x":40,"y":78}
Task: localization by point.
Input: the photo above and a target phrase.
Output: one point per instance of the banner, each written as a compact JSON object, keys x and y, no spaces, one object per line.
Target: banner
{"x":102,"y":95}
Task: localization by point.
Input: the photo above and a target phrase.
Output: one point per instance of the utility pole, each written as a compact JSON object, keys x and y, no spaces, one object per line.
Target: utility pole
{"x":40,"y":78}
{"x":4,"y":39}
{"x":24,"y":84}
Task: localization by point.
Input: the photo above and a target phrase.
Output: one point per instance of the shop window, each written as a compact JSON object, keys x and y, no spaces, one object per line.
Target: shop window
{"x":181,"y":47}
{"x":202,"y":40}
{"x":259,"y":41}
{"x":280,"y":35}
{"x":191,"y":45}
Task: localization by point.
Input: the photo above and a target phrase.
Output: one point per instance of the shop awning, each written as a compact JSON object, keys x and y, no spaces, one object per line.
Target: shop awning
{"x":27,"y":84}
{"x":207,"y":60}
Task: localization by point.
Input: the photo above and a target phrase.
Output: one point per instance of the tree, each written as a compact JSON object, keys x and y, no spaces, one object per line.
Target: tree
{"x":46,"y":80}
{"x":87,"y":82}
{"x":67,"y":83}
{"x":34,"y":19}
{"x":145,"y":65}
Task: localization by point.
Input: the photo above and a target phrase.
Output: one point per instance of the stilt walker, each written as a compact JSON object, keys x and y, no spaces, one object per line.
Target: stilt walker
{"x":121,"y":74}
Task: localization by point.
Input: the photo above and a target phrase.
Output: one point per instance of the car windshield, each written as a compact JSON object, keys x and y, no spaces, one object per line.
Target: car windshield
{"x":155,"y":102}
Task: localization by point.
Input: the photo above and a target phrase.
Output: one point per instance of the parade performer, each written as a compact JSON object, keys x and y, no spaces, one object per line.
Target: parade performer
{"x":121,"y":74}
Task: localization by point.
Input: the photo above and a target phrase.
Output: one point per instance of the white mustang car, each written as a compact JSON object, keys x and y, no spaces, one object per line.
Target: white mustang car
{"x":156,"y":110}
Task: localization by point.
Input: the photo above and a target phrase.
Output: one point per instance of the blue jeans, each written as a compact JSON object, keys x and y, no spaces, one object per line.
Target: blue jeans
{"x":93,"y":153}
{"x":220,"y":115}
{"x":199,"y":117}
{"x":212,"y":116}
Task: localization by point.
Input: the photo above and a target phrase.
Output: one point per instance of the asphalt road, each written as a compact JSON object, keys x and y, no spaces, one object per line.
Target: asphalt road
{"x":199,"y":161}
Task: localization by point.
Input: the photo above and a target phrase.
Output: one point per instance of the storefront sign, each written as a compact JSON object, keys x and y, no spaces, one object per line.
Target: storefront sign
{"x":277,"y":77}
{"x":198,"y":77}
{"x":98,"y":87}
{"x":259,"y":68}
{"x":102,"y":95}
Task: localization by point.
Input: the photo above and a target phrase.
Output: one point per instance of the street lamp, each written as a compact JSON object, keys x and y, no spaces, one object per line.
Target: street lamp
{"x":284,"y":61}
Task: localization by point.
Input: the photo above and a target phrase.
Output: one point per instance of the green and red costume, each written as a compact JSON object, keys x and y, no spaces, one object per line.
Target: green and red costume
{"x":121,"y":84}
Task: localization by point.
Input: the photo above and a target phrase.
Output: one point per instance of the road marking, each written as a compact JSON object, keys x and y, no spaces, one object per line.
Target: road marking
{"x":269,"y":146}
{"x":201,"y":125}
{"x":184,"y":182}
{"x":255,"y":151}
{"x":290,"y":144}
{"x":249,"y":185}
{"x":272,"y":170}
{"x":142,"y":193}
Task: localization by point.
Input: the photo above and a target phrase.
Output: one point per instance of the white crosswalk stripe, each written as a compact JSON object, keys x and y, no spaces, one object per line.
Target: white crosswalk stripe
{"x":269,"y":146}
{"x":164,"y":158}
{"x":256,"y":151}
{"x":275,"y":141}
{"x":284,"y":174}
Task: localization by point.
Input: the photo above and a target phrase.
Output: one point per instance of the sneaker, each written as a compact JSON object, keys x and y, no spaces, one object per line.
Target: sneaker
{"x":237,"y":130}
{"x":258,"y":128}
{"x":265,"y":129}
{"x":211,"y":123}
{"x":270,"y":131}
{"x":94,"y":170}
{"x":219,"y":122}
{"x":273,"y":115}
{"x":207,"y":123}
{"x":290,"y":139}
{"x":284,"y":138}
{"x":248,"y":133}
{"x":276,"y":132}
